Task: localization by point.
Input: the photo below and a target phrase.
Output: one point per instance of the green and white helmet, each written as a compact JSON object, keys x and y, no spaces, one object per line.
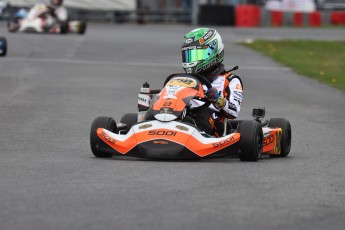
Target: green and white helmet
{"x":202,"y":49}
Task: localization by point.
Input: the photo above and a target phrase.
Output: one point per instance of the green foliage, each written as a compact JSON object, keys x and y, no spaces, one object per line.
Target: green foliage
{"x":321,"y":60}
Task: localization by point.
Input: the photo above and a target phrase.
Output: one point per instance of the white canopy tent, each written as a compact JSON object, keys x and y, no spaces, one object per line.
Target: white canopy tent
{"x":111,"y":5}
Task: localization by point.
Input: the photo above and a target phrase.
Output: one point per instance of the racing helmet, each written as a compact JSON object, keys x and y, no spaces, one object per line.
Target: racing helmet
{"x":56,"y":2}
{"x":202,"y":49}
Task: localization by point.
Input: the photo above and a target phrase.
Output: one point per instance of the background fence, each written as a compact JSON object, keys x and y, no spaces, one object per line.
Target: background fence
{"x":218,"y":12}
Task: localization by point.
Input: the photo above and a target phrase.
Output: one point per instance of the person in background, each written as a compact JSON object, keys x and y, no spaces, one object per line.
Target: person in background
{"x":58,"y":11}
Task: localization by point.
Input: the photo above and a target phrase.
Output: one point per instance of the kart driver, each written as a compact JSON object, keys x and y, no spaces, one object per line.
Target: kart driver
{"x":203,"y":53}
{"x":57,"y":10}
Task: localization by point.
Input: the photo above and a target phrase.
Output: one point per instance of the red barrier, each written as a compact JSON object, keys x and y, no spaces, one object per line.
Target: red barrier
{"x":277,"y":18}
{"x":315,"y":19}
{"x":338,"y":18}
{"x":298,"y":19}
{"x":248,"y":16}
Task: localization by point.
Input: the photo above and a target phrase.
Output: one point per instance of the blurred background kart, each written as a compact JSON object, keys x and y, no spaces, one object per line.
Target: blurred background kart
{"x":3,"y":46}
{"x":41,"y":19}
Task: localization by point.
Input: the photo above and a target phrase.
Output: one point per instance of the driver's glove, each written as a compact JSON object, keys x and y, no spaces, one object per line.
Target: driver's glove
{"x":215,"y":98}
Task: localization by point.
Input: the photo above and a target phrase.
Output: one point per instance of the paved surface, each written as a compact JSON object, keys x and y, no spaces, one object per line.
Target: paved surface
{"x":52,"y":87}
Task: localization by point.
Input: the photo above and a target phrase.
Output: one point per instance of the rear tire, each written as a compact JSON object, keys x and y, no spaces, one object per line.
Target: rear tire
{"x":285,"y":143}
{"x":106,"y":123}
{"x":63,"y":27}
{"x":3,"y":46}
{"x":129,"y":119}
{"x":250,"y":141}
{"x":82,"y":28}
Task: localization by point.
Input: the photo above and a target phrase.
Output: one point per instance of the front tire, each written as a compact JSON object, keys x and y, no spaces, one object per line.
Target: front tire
{"x":3,"y":46}
{"x":129,"y":119}
{"x":106,"y":123}
{"x":285,"y":142}
{"x":250,"y":141}
{"x":82,"y":28}
{"x":63,"y":28}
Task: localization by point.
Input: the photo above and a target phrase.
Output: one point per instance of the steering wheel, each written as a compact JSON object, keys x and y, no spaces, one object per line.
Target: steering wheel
{"x":203,"y":80}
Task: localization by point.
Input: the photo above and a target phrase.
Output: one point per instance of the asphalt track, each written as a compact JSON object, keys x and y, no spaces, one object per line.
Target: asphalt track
{"x":52,"y":87}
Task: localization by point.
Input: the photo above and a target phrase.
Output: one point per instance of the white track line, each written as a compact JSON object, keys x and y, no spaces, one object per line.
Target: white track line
{"x":145,"y":64}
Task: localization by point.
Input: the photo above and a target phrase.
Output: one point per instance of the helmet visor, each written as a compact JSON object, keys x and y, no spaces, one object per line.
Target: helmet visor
{"x":198,"y":54}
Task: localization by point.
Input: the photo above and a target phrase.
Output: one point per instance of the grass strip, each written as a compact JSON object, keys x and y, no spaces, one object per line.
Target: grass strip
{"x":321,"y":60}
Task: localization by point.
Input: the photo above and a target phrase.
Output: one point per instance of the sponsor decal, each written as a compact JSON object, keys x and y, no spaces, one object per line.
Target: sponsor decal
{"x":182,"y":81}
{"x":174,"y":87}
{"x":166,"y":110}
{"x":268,"y":140}
{"x":162,"y":133}
{"x":218,"y":58}
{"x":172,"y":92}
{"x":232,"y":106}
{"x":142,"y":99}
{"x":169,"y":97}
{"x":238,"y":100}
{"x":189,"y":48}
{"x":201,"y":40}
{"x":145,"y":126}
{"x":145,"y":90}
{"x":208,"y":35}
{"x":180,"y":127}
{"x":239,"y":94}
{"x":160,"y":142}
{"x":266,"y":134}
{"x":167,"y":104}
{"x":189,"y":40}
{"x":238,"y":87}
{"x":108,"y":138}
{"x":223,"y":142}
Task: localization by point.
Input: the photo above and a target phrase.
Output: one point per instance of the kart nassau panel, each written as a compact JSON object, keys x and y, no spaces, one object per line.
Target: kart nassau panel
{"x":271,"y":142}
{"x":176,"y":95}
{"x":37,"y":25}
{"x":174,"y":140}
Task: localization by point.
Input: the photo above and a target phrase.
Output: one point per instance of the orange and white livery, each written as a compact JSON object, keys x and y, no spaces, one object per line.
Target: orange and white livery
{"x":166,"y":129}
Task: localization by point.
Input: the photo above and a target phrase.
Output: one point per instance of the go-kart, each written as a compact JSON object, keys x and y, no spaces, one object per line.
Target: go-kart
{"x":39,"y":19}
{"x":164,"y":128}
{"x":3,"y":46}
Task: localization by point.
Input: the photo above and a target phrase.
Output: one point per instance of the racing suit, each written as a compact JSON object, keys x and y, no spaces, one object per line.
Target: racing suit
{"x":230,"y":87}
{"x":58,"y":12}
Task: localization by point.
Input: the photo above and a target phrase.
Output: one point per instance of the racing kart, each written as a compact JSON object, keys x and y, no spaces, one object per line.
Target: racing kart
{"x":164,"y":128}
{"x":3,"y":46}
{"x":40,"y":19}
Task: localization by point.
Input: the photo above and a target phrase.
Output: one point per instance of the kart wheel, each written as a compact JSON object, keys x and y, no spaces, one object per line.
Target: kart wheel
{"x":129,"y":119}
{"x":3,"y":46}
{"x":63,"y":27}
{"x":82,"y":28}
{"x":250,"y":141}
{"x":106,"y":123}
{"x":285,"y":143}
{"x":13,"y":26}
